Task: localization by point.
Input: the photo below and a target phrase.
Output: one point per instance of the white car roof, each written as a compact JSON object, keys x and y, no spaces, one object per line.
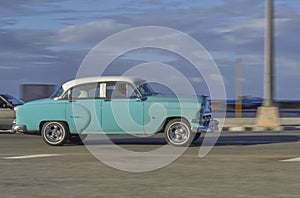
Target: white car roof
{"x":80,"y":81}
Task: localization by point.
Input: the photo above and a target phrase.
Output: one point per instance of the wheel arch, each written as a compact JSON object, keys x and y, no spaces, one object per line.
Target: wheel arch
{"x":44,"y":121}
{"x":168,"y":119}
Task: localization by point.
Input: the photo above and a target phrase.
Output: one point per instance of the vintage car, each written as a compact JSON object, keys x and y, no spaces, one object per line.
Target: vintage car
{"x":7,"y":112}
{"x":115,"y":105}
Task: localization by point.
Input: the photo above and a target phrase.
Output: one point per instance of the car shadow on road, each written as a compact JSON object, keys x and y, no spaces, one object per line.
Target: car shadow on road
{"x":221,"y":141}
{"x":249,"y":140}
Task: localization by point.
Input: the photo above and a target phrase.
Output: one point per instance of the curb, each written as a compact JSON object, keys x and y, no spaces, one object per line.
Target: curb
{"x":259,"y":128}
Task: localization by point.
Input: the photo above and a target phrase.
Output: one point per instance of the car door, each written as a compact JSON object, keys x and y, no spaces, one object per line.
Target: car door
{"x":6,"y":115}
{"x":122,"y":109}
{"x":83,"y":109}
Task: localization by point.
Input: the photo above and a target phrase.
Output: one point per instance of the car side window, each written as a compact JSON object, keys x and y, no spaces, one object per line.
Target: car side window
{"x":85,"y":91}
{"x":120,"y":90}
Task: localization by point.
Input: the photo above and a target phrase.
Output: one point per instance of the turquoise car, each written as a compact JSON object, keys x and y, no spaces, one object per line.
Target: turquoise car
{"x":114,"y":105}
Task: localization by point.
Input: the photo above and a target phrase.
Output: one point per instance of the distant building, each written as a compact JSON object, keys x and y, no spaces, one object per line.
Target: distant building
{"x":31,"y":92}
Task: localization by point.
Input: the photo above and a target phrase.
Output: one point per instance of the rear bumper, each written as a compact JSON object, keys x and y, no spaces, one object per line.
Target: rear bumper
{"x":212,"y":127}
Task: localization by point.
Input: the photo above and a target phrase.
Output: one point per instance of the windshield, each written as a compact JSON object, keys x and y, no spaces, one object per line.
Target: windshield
{"x":58,"y":92}
{"x":145,"y":89}
{"x":14,"y":101}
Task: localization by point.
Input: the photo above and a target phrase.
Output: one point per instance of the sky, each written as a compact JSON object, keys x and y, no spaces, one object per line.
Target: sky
{"x":43,"y":41}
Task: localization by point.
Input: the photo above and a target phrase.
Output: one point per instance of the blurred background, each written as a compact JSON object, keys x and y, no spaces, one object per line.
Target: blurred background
{"x":43,"y":43}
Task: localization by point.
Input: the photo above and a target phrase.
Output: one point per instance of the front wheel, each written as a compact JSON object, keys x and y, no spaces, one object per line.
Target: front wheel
{"x":55,"y":133}
{"x":178,"y":133}
{"x":196,"y":137}
{"x":77,"y":139}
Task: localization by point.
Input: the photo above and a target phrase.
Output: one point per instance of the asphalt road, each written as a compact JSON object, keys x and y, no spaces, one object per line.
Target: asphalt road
{"x":239,"y":165}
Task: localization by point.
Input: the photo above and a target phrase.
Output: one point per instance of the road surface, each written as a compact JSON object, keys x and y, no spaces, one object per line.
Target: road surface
{"x":239,"y":165}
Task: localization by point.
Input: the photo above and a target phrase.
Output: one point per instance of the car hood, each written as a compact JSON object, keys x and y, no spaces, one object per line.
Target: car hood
{"x":170,"y":98}
{"x":187,"y":102}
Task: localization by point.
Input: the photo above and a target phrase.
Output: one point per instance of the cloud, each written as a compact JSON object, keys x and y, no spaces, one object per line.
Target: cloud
{"x":229,"y":30}
{"x":8,"y":67}
{"x":22,"y":8}
{"x":90,"y":32}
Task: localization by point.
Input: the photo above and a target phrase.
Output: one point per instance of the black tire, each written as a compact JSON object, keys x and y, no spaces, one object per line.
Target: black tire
{"x":55,"y":133}
{"x":178,"y":133}
{"x":196,"y":137}
{"x":77,"y":139}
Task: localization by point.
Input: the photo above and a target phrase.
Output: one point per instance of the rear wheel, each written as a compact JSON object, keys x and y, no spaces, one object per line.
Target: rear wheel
{"x":178,"y":133}
{"x":55,"y":133}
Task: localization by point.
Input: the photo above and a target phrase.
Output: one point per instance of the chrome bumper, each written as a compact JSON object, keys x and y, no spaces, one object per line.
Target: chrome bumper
{"x":18,"y":128}
{"x":211,"y":127}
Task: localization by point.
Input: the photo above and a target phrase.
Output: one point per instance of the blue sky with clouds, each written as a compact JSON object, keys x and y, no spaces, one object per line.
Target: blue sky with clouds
{"x":43,"y":41}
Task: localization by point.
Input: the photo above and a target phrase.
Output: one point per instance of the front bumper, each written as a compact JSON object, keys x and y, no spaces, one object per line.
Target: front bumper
{"x":211,"y":127}
{"x":18,"y":128}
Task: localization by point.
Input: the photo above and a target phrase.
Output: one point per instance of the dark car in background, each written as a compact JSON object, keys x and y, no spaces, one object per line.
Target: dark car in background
{"x":7,"y":112}
{"x":247,"y":102}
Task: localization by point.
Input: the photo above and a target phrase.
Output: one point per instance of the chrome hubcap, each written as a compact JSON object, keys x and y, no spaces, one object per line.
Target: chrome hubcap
{"x":178,"y":133}
{"x":54,"y":132}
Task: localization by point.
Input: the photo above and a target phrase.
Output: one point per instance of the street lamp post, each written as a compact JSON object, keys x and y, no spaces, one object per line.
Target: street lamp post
{"x":268,"y":115}
{"x":268,"y":76}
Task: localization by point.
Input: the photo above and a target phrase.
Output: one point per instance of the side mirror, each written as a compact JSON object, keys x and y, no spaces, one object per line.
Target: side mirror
{"x":72,"y":100}
{"x":140,"y":99}
{"x":143,"y":98}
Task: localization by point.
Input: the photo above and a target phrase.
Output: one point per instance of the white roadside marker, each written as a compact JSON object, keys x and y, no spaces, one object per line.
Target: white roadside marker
{"x":31,"y":156}
{"x":292,"y":160}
